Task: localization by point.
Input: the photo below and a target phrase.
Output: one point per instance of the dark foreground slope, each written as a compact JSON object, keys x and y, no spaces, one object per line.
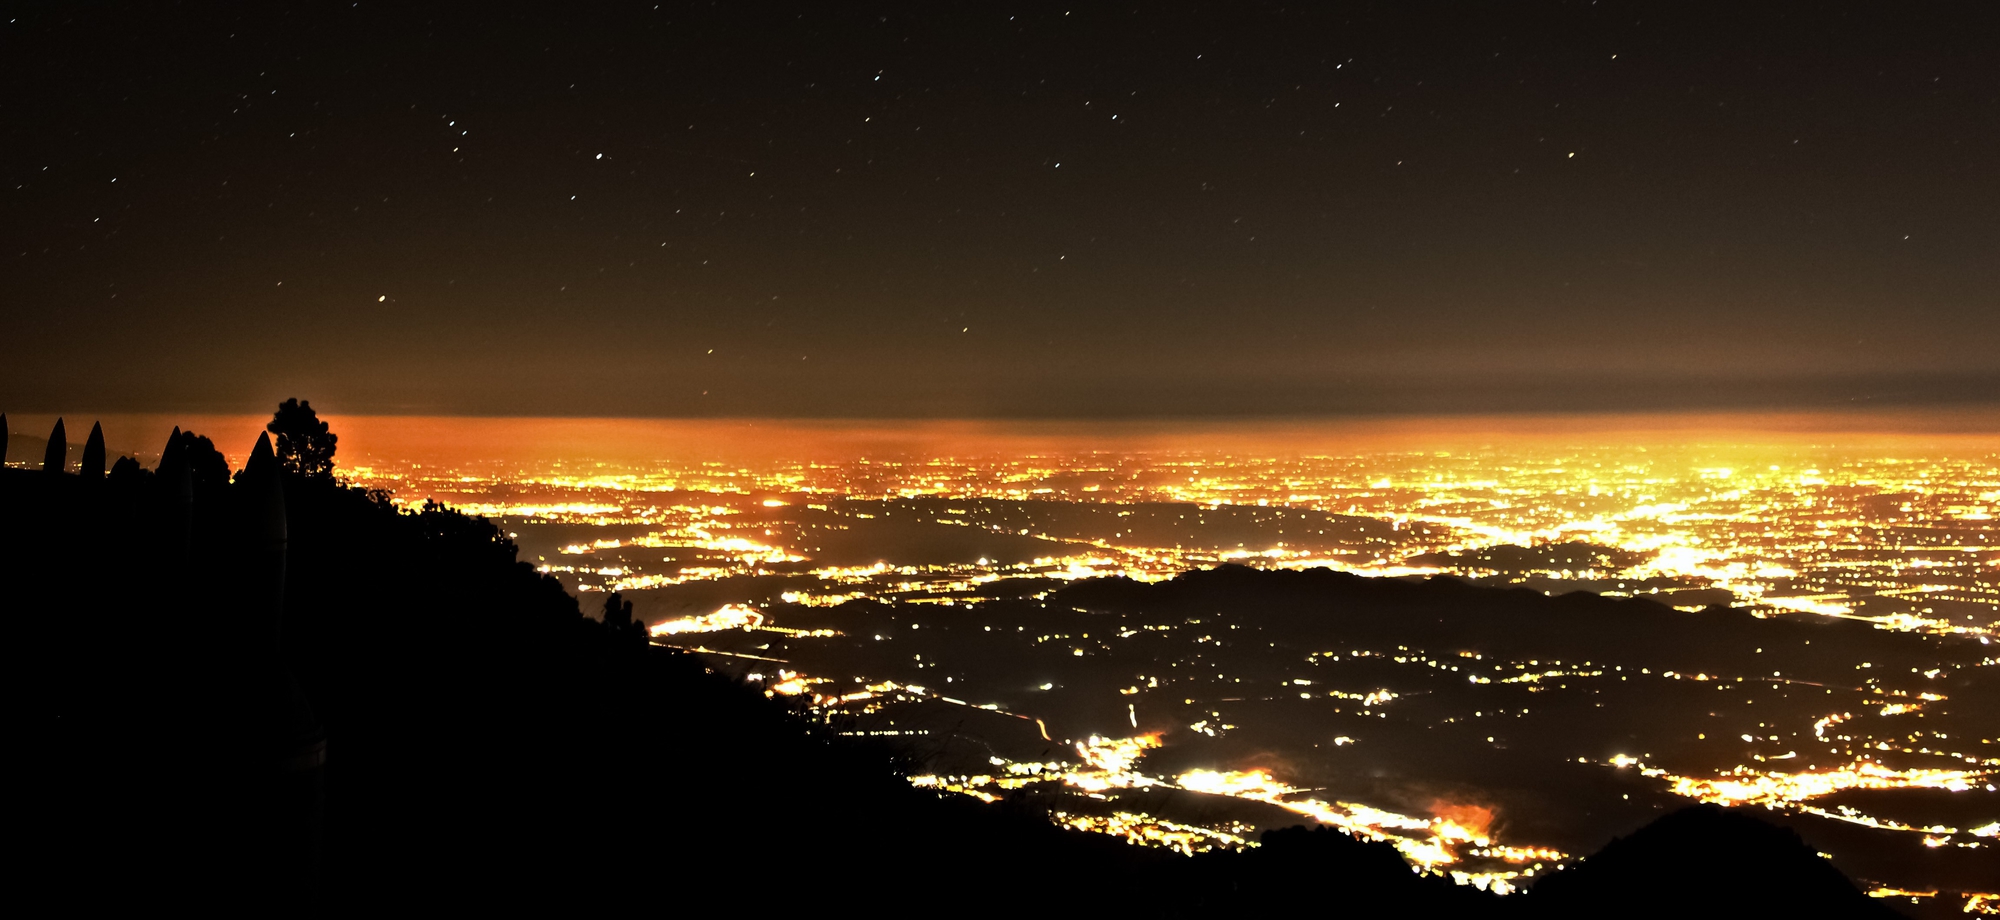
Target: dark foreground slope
{"x":367,"y":706}
{"x":424,"y":717}
{"x":1749,"y":868}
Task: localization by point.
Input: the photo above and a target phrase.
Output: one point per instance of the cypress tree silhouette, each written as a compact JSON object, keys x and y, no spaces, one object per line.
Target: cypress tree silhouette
{"x":57,"y":454}
{"x":305,"y":446}
{"x":3,"y":439}
{"x":92,"y":466}
{"x":170,"y":455}
{"x":176,"y":497}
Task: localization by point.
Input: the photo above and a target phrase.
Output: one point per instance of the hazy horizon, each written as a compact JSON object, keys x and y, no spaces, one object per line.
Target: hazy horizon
{"x":635,"y":440}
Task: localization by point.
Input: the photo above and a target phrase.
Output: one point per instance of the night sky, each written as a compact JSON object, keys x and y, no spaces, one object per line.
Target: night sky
{"x":844,"y":209}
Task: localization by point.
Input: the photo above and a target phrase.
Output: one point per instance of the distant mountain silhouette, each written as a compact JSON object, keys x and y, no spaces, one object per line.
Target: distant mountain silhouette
{"x":268,"y":691}
{"x":1444,"y":613}
{"x":1574,"y":556}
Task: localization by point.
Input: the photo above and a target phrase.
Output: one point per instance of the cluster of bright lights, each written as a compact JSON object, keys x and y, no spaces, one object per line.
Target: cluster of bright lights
{"x":1453,"y":839}
{"x":729,"y":616}
{"x":1793,"y":790}
{"x":1148,"y":830}
{"x":1455,"y":834}
{"x":1783,"y":532}
{"x":1799,"y":535}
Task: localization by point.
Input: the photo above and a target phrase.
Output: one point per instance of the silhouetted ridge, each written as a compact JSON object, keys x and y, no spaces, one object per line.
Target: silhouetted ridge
{"x":1325,"y":870}
{"x":1444,"y":614}
{"x":1703,"y":861}
{"x":479,"y":738}
{"x":157,"y":716}
{"x":1574,"y":556}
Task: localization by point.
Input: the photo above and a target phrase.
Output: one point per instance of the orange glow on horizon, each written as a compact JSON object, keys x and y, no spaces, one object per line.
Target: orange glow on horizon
{"x":430,"y":439}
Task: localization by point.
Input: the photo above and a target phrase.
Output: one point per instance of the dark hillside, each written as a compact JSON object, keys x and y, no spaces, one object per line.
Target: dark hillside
{"x":426,"y":716}
{"x":1444,"y":613}
{"x":1750,"y":869}
{"x":268,"y":691}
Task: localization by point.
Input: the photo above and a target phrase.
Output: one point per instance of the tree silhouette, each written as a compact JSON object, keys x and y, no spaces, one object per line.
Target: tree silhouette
{"x":305,"y":446}
{"x":618,"y":620}
{"x":56,"y":456}
{"x":207,"y":467}
{"x":617,"y":612}
{"x":93,"y":454}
